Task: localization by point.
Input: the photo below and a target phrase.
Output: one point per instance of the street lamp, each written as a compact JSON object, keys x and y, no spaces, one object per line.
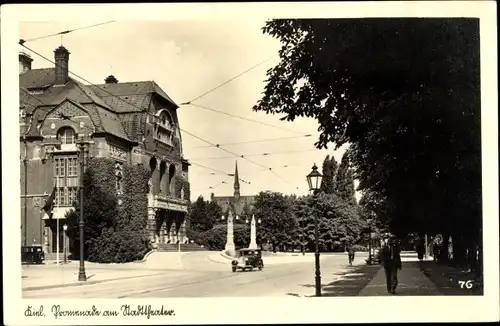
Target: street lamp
{"x":314,"y":180}
{"x":82,"y":144}
{"x":65,"y":228}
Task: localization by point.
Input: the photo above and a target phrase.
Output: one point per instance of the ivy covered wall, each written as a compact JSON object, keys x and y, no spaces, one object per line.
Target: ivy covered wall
{"x":115,"y":225}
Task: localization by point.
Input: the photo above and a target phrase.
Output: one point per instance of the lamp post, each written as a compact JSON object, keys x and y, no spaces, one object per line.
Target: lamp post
{"x":65,"y":228}
{"x":83,"y":148}
{"x":369,"y":220}
{"x":314,"y":180}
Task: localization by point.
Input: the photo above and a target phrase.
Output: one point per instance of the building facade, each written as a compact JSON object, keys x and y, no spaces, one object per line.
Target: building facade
{"x":235,"y":203}
{"x":131,"y":123}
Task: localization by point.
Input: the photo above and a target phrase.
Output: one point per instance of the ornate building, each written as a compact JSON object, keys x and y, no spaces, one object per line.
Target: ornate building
{"x":237,"y":202}
{"x":131,"y":122}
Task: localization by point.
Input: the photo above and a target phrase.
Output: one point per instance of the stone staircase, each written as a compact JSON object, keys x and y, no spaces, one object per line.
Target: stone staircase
{"x":169,"y":247}
{"x":52,"y":256}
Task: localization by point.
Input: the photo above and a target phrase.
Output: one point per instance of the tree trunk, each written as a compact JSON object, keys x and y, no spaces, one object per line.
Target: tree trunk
{"x":274,"y":247}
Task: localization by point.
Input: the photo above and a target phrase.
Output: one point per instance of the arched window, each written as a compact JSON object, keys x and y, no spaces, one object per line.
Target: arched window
{"x":66,"y":135}
{"x":165,"y":120}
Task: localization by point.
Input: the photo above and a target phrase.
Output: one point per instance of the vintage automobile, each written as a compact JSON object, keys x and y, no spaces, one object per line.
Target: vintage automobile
{"x":32,"y":255}
{"x":248,"y":259}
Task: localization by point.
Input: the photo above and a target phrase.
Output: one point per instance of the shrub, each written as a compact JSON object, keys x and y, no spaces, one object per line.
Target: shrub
{"x":215,"y":238}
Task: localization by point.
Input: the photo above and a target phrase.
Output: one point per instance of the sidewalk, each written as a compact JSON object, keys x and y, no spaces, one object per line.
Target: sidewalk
{"x":411,"y":281}
{"x":37,"y":277}
{"x":446,"y":279}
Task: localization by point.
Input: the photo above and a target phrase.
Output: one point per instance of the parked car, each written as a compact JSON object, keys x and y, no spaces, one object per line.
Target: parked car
{"x":32,"y":255}
{"x":248,"y":259}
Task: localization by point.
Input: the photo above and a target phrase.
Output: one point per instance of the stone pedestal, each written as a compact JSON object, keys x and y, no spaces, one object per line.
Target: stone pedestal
{"x":230,"y":236}
{"x":253,"y":234}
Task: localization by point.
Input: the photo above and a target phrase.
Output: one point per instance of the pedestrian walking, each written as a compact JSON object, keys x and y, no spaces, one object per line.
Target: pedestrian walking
{"x":350,"y":253}
{"x":391,"y":259}
{"x":420,"y":249}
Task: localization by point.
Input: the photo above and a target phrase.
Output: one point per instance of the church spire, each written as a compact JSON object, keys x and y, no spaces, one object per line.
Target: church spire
{"x":236,"y":182}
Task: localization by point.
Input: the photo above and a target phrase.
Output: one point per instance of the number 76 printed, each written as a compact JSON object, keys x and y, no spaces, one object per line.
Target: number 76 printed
{"x":467,"y":284}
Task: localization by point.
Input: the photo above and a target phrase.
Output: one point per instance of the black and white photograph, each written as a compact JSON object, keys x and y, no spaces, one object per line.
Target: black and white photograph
{"x":281,"y":156}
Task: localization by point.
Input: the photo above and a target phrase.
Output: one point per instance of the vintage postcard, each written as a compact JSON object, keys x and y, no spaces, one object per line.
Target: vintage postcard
{"x":246,"y":163}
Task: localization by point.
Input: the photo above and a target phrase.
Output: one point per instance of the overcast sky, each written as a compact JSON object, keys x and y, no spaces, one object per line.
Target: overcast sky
{"x":188,"y":58}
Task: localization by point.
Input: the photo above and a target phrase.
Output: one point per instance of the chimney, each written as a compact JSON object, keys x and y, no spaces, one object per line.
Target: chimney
{"x":111,"y":80}
{"x":24,"y":62}
{"x":61,"y":56}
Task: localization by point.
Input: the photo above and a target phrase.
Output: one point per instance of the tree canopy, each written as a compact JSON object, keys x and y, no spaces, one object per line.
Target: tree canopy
{"x":403,"y":93}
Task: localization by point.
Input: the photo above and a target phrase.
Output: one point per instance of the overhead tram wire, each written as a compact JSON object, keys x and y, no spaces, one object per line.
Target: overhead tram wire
{"x":250,"y":155}
{"x":228,"y":81}
{"x":245,"y":119}
{"x":242,"y":156}
{"x":253,"y":141}
{"x":21,"y":42}
{"x":224,"y":173}
{"x":133,"y":105}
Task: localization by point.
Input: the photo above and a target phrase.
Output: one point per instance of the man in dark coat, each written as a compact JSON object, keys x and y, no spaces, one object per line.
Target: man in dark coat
{"x":391,"y":259}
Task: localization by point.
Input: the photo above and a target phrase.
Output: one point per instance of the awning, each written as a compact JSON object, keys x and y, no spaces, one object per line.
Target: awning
{"x":58,"y":213}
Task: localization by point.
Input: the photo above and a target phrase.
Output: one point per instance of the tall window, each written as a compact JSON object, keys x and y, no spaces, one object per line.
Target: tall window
{"x":66,"y":135}
{"x":119,"y":178}
{"x":66,"y":176}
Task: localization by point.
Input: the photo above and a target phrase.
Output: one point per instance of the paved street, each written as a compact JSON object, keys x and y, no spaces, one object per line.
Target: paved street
{"x":206,"y":274}
{"x":202,"y":277}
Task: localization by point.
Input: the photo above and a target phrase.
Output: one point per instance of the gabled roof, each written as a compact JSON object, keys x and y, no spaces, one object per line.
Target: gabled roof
{"x":133,"y":96}
{"x":37,"y":78}
{"x":38,"y":95}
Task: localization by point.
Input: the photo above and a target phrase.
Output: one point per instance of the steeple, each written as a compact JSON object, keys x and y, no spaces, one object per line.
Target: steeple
{"x":236,"y":182}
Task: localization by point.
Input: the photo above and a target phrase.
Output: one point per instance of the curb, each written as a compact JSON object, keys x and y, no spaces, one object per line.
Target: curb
{"x":145,"y":258}
{"x":54,"y":286}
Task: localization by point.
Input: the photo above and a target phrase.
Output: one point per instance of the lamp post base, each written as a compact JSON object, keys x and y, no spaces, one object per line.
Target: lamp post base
{"x":81,"y":276}
{"x":318,"y":275}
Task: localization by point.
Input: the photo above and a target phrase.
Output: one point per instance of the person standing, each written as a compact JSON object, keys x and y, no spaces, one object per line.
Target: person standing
{"x":391,"y":259}
{"x":350,"y":253}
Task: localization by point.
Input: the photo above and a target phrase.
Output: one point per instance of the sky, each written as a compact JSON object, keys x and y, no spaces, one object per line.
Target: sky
{"x":186,"y":59}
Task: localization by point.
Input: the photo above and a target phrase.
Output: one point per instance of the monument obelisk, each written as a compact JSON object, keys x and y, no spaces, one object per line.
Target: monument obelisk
{"x":230,"y":236}
{"x":253,"y":234}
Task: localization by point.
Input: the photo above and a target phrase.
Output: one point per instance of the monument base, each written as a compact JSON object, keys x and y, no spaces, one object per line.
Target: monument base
{"x":230,"y":250}
{"x":253,"y":245}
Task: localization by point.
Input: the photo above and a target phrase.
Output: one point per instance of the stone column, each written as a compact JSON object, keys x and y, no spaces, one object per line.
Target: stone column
{"x":173,"y":230}
{"x":253,"y":234}
{"x":230,"y":235}
{"x":151,"y":227}
{"x":182,"y":231}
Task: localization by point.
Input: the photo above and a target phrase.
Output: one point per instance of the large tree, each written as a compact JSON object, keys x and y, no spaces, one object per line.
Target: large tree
{"x":277,"y":220}
{"x":404,"y":94}
{"x":344,"y":180}
{"x":329,"y":171}
{"x":339,"y":222}
{"x":203,"y":215}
